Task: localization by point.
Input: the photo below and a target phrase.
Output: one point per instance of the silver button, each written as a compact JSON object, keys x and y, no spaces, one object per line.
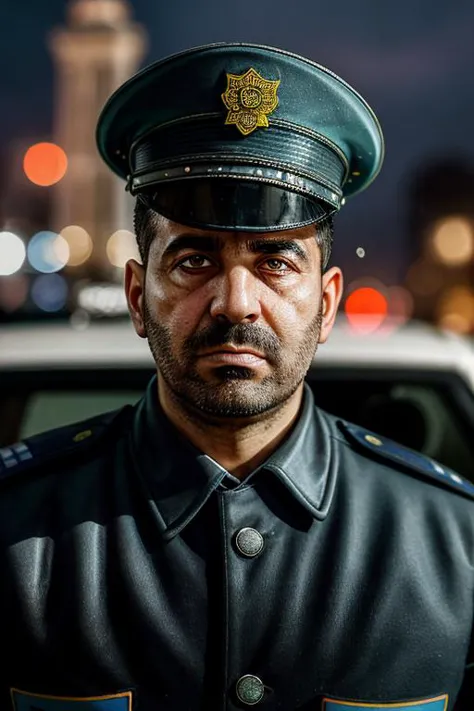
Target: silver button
{"x":249,"y":689}
{"x":249,"y":542}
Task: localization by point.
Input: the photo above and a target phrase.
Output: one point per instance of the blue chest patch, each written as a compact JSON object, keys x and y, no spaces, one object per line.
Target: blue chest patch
{"x":24,"y":701}
{"x":437,"y":703}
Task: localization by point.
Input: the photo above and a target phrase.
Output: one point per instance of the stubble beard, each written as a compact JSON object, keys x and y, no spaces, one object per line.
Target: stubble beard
{"x":232,"y":392}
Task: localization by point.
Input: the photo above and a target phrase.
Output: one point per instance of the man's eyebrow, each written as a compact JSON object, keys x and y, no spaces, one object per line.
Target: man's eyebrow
{"x":208,"y":243}
{"x":274,"y":246}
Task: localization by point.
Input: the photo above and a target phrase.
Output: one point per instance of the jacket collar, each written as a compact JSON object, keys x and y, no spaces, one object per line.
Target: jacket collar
{"x":181,"y":478}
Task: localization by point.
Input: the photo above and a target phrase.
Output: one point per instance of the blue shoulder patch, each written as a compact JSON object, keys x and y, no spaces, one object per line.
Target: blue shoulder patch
{"x":395,"y":452}
{"x":47,"y":446}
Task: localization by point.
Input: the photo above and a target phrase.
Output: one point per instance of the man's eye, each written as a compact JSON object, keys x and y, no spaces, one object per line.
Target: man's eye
{"x":277,"y":265}
{"x":195,"y":261}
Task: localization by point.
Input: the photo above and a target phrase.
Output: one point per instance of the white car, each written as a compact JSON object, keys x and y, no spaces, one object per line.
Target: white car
{"x":414,"y":385}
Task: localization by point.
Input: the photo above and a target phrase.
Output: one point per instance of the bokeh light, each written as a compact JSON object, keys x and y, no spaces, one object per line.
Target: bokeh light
{"x":360,"y":251}
{"x":366,"y":309}
{"x":45,"y":164}
{"x":452,"y":241}
{"x":121,"y":247}
{"x":12,"y":253}
{"x":455,"y":322}
{"x":48,"y":252}
{"x":456,"y":309}
{"x":79,"y":243}
{"x":49,"y":292}
{"x":425,"y":278}
{"x":102,"y":299}
{"x":13,"y":292}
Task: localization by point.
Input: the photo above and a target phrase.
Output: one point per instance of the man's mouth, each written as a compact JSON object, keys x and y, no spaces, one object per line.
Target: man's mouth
{"x":231,"y":355}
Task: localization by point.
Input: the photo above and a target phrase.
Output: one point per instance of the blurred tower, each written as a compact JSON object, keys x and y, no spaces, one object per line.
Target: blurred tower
{"x":96,"y":52}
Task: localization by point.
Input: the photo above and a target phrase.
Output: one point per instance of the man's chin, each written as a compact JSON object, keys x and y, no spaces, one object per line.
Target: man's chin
{"x":231,"y":398}
{"x":230,"y":373}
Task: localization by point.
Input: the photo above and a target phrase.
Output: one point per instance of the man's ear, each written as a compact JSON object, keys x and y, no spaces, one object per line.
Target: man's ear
{"x":134,"y":292}
{"x":332,"y":286}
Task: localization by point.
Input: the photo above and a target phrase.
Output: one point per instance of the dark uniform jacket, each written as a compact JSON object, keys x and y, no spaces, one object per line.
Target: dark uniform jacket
{"x":136,"y":574}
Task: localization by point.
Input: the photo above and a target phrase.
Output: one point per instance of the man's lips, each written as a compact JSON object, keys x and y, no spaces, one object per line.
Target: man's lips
{"x":231,"y":349}
{"x":233,"y":356}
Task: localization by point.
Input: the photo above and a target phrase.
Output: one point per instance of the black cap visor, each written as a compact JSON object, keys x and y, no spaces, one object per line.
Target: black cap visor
{"x":233,"y":205}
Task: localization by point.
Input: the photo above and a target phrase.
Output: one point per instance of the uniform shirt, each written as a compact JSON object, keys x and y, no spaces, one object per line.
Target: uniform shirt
{"x":139,"y":575}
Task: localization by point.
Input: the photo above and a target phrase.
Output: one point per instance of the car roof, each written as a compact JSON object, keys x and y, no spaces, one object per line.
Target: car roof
{"x":102,"y":343}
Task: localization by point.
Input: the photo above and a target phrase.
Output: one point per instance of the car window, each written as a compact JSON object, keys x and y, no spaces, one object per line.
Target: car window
{"x":48,"y":410}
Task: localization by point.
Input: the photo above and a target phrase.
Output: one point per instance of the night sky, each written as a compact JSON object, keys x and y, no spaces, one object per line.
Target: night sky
{"x":412,"y":61}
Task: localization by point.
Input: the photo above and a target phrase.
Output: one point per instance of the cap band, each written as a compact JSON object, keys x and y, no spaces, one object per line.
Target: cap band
{"x":201,"y":147}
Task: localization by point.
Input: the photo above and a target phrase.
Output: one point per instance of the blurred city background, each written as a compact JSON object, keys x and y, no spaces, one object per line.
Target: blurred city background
{"x":406,"y":245}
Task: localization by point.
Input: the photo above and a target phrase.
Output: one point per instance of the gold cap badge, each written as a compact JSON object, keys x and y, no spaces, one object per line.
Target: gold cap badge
{"x":249,"y":98}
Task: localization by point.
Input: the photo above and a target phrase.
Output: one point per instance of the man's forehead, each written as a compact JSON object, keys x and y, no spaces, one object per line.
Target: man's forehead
{"x":174,"y":231}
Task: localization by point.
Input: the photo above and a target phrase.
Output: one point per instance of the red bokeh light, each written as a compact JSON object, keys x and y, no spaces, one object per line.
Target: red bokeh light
{"x":45,"y":164}
{"x":366,"y":308}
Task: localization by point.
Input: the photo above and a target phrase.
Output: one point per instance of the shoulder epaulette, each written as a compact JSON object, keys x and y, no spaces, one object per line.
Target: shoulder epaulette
{"x":388,"y":449}
{"x":53,"y":444}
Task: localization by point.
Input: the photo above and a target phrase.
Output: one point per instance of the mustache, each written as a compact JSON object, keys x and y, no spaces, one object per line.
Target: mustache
{"x":240,"y":334}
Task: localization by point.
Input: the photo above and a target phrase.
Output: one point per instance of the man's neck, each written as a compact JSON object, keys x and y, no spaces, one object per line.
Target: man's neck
{"x":239,"y":446}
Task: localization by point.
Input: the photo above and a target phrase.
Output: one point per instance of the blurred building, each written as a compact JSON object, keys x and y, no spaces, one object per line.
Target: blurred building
{"x":96,"y":51}
{"x":441,"y":234}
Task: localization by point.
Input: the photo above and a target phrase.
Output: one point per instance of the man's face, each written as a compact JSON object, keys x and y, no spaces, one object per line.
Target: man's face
{"x":233,"y":320}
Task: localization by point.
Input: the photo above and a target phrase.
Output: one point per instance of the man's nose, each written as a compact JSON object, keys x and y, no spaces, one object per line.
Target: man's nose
{"x":236,"y":297}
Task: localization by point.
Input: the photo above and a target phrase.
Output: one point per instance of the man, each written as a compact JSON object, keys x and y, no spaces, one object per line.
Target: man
{"x":225,"y":543}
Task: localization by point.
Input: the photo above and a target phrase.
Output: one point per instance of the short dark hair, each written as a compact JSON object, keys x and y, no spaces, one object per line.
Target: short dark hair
{"x":324,"y":238}
{"x":146,"y":224}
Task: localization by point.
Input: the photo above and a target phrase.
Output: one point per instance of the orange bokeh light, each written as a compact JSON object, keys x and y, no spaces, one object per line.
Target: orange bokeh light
{"x":45,"y":164}
{"x":366,"y":309}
